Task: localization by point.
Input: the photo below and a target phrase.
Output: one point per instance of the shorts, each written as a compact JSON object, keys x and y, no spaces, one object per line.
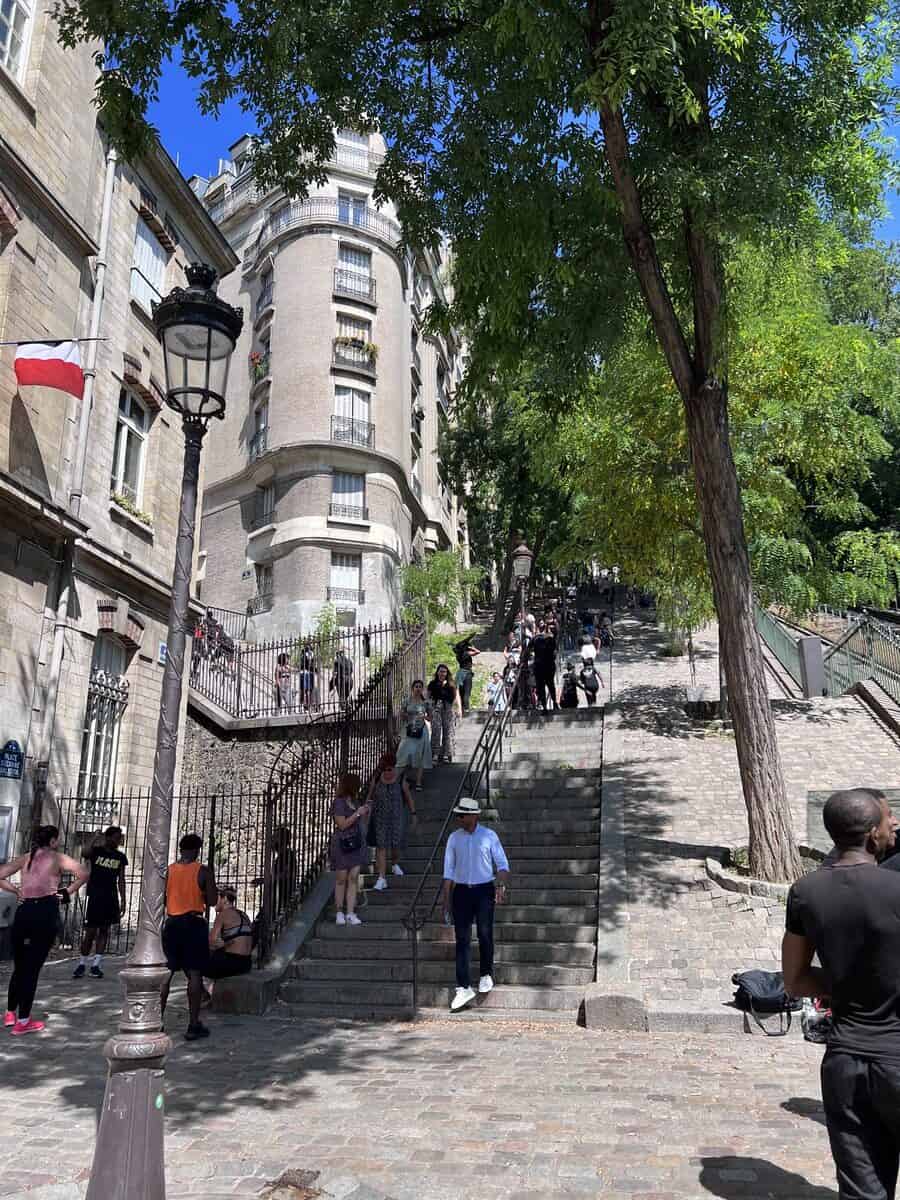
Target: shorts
{"x":222,"y":965}
{"x":185,"y":942}
{"x":102,"y":911}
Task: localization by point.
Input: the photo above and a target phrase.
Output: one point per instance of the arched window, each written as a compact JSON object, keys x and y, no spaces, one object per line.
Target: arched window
{"x":106,"y":700}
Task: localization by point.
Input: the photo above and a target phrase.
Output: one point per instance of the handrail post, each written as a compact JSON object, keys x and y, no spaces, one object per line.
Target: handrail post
{"x":414,"y":934}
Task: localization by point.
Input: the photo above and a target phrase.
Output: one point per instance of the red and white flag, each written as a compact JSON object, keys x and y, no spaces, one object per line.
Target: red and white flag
{"x":54,"y":366}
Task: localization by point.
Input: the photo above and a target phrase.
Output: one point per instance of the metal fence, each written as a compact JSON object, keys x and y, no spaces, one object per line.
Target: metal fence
{"x":303,"y":677}
{"x":271,"y":844}
{"x":869,"y":649}
{"x":81,"y":821}
{"x":780,"y":641}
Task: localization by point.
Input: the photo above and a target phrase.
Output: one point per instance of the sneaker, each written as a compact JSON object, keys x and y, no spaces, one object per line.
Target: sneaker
{"x":396,"y":869}
{"x":9,"y":1019}
{"x":380,"y":884}
{"x":78,"y":973}
{"x":485,"y":984}
{"x":96,"y":973}
{"x":194,"y":1032}
{"x":462,"y":997}
{"x":28,"y":1027}
{"x":340,"y":919}
{"x":353,"y":919}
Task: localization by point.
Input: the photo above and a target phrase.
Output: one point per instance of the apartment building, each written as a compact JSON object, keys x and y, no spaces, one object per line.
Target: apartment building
{"x":324,"y":478}
{"x":89,"y":488}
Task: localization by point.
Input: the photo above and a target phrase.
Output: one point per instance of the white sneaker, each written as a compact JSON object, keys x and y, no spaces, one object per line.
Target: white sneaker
{"x":485,"y":983}
{"x":340,"y":919}
{"x":380,"y":884}
{"x":462,"y":997}
{"x":353,"y":919}
{"x":396,"y":869}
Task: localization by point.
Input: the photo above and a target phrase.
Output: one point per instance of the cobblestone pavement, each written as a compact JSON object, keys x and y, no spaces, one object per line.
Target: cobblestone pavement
{"x":432,"y":1111}
{"x":682,"y":799}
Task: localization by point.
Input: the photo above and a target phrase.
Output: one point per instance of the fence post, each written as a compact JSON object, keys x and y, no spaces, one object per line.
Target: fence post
{"x":211,"y":854}
{"x":268,"y":874}
{"x":812,"y":666}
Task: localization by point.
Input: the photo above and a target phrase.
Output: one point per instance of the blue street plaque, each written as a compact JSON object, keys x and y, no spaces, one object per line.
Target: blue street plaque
{"x":11,"y":760}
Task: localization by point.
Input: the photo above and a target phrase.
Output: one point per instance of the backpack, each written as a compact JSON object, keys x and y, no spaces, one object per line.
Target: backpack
{"x":605,"y":636}
{"x":589,"y":680}
{"x":763,"y":992}
{"x":569,"y":698}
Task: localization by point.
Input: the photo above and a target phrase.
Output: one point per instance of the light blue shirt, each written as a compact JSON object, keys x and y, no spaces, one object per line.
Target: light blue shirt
{"x":472,"y":858}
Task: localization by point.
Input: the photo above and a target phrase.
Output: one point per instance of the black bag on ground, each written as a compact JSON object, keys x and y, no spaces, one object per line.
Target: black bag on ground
{"x":761,"y":993}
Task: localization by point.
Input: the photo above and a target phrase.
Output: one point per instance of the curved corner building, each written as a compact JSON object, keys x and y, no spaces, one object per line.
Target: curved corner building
{"x":324,"y":479}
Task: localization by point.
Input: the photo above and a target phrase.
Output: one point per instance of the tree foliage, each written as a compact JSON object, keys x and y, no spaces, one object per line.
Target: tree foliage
{"x":434,"y":589}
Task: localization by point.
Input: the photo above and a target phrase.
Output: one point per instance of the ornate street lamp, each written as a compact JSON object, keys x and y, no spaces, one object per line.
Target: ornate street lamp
{"x":522,"y":558}
{"x":198,"y":332}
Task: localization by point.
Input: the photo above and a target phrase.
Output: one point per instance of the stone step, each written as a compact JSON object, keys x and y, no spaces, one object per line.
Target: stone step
{"x":510,"y":916}
{"x":524,"y":891}
{"x":542,"y":859}
{"x":348,"y":975}
{"x":546,"y":849}
{"x":367,"y":997}
{"x":434,"y":947}
{"x":523,"y":880}
{"x":336,"y":1010}
{"x":518,"y":831}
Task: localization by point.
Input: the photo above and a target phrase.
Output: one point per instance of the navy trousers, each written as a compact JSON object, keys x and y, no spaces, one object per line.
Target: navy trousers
{"x":473,"y":904}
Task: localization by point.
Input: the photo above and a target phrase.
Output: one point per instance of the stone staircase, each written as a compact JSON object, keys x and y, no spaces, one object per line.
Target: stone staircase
{"x":545,"y":805}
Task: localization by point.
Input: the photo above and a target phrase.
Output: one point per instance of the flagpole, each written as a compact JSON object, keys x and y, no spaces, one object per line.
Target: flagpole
{"x":53,"y":341}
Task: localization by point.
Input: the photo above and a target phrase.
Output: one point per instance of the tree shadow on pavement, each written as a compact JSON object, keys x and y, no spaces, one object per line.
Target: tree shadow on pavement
{"x":736,"y":1177}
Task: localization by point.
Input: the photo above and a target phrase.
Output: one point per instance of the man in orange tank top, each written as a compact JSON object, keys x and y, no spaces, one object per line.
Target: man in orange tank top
{"x":190,"y":891}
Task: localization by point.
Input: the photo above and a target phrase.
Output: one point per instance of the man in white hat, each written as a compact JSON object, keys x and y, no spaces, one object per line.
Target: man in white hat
{"x":476,"y":871}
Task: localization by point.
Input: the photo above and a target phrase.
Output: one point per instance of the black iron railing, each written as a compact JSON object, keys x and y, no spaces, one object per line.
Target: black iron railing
{"x":233,"y":624}
{"x":306,"y":678}
{"x":353,"y":431}
{"x":260,"y":603}
{"x":354,"y":284}
{"x":488,"y":752}
{"x":342,"y":595}
{"x":349,"y":512}
{"x":417,"y":487}
{"x":353,"y":358}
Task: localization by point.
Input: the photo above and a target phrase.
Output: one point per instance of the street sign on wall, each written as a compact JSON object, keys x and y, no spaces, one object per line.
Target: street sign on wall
{"x":11,"y":761}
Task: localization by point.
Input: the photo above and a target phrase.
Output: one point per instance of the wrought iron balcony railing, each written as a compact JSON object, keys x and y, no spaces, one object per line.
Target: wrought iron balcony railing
{"x":353,"y":357}
{"x":352,"y":431}
{"x":355,"y":285}
{"x":260,"y":603}
{"x":266,"y":296}
{"x":340,"y":595}
{"x":350,"y":512}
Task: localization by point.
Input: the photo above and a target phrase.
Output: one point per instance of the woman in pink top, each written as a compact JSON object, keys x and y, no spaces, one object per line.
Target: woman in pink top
{"x":34,"y":927}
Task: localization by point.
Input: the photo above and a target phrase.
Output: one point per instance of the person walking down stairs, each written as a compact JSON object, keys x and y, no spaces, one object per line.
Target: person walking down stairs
{"x":476,"y":871}
{"x":387,"y":795}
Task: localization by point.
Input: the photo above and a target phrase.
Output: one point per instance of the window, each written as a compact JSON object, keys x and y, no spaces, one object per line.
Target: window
{"x":131,"y":438}
{"x":346,"y":570}
{"x":356,"y":260}
{"x":351,"y":208}
{"x":148,"y":271}
{"x":353,"y":327}
{"x":348,"y":496}
{"x":353,"y":138}
{"x":259,"y":443}
{"x":264,"y":505}
{"x":353,"y":403}
{"x":106,"y":700}
{"x":263,"y":579}
{"x":15,"y":30}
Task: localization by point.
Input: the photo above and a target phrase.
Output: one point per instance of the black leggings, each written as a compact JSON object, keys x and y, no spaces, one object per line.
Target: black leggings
{"x":33,"y":935}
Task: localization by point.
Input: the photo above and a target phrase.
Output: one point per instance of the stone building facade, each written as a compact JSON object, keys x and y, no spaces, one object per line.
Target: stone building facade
{"x":324,"y":478}
{"x":90,"y":489}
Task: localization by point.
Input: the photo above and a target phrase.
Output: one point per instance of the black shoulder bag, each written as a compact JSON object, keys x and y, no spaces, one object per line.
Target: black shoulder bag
{"x":761,"y":993}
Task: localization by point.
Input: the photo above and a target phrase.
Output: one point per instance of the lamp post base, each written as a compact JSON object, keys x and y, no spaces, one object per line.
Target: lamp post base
{"x":129,"y":1156}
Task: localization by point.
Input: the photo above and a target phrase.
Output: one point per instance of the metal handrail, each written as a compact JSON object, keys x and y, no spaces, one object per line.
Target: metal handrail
{"x":487,"y":746}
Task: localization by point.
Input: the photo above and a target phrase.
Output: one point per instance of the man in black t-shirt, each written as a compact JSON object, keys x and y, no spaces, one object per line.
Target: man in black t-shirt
{"x":543,"y":649}
{"x":105,"y":899}
{"x":848,"y":913}
{"x":465,"y":652}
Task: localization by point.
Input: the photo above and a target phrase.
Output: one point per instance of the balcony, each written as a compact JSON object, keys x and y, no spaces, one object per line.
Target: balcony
{"x":259,"y":444}
{"x":417,"y":488}
{"x":260,"y":603}
{"x":355,"y":158}
{"x":415,"y":424}
{"x":354,"y":285}
{"x":341,"y":595}
{"x":266,"y":297}
{"x":352,"y":432}
{"x":259,"y":368}
{"x":262,"y":517}
{"x":416,"y":361}
{"x":242,"y":193}
{"x":351,"y":354}
{"x":348,"y":512}
{"x":325,"y":211}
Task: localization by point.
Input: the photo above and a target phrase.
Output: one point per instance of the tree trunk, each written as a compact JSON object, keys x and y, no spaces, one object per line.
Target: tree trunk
{"x":773,"y":853}
{"x":498,"y":627}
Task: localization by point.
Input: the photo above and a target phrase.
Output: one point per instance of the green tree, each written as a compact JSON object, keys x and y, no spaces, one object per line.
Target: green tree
{"x":576,"y":153}
{"x":434,"y":589}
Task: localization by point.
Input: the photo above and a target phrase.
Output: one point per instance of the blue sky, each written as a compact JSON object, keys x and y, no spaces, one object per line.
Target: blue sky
{"x":198,"y":141}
